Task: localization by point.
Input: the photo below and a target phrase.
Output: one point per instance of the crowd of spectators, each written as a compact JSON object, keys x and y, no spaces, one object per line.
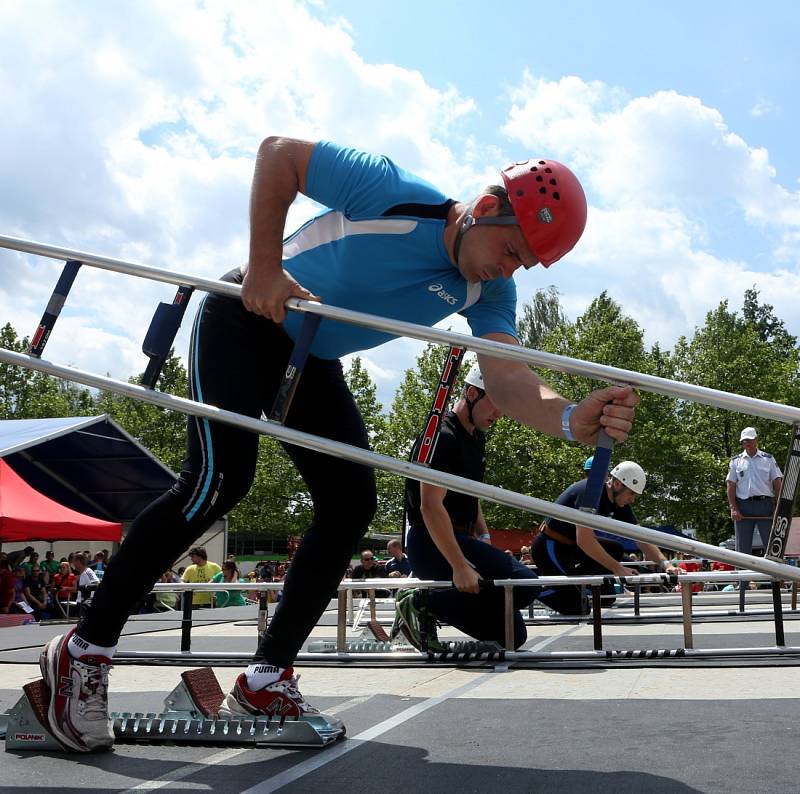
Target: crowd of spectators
{"x":53,"y":588}
{"x":48,"y":588}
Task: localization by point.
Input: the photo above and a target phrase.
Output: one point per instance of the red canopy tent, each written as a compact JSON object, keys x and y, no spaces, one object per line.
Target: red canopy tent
{"x":27,"y":515}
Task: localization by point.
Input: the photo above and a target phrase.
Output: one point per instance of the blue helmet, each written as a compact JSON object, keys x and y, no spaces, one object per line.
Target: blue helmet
{"x":587,"y":464}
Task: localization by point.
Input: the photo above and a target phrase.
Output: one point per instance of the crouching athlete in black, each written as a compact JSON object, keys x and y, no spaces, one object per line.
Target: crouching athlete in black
{"x":442,"y":542}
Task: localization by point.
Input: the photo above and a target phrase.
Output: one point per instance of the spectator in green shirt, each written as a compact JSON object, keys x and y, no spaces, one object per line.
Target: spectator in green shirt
{"x":50,"y":565}
{"x":229,"y":598}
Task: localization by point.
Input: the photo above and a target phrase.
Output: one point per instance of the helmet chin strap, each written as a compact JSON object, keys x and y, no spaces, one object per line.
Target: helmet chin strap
{"x":469,"y":221}
{"x":471,"y":404}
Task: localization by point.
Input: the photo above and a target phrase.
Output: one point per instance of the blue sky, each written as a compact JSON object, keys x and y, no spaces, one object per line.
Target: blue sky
{"x":130,"y":130}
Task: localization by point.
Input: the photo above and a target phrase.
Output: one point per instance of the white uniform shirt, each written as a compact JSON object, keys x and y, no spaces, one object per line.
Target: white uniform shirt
{"x":753,"y":475}
{"x":88,"y":577}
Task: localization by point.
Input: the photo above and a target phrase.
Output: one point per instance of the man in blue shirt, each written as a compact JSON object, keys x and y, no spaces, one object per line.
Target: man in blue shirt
{"x":387,"y":243}
{"x":397,"y":564}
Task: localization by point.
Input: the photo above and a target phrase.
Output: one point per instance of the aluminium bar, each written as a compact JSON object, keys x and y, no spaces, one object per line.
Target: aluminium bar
{"x":405,"y":468}
{"x":651,"y":383}
{"x":220,"y":658}
{"x":543,"y":581}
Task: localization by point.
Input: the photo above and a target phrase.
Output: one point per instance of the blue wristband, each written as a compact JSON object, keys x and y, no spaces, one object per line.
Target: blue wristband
{"x":565,"y":415}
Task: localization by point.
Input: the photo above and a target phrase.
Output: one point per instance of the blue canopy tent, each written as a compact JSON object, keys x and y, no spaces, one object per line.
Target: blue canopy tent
{"x":87,"y":463}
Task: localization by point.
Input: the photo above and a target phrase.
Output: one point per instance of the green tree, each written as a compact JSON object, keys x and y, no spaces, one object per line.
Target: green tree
{"x":604,"y":334}
{"x":162,"y":431}
{"x":365,"y":393}
{"x":25,"y":394}
{"x":405,"y":422}
{"x":540,"y":318}
{"x":278,"y":502}
{"x":748,"y":354}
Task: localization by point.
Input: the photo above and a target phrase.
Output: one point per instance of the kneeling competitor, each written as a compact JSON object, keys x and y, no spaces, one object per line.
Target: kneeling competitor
{"x":564,"y":549}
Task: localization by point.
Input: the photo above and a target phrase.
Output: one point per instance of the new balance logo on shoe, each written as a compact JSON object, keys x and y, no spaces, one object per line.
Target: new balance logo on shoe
{"x":278,"y":708}
{"x":65,"y":686}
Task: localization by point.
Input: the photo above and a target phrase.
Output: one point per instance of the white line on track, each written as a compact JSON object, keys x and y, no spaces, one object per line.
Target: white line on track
{"x":326,"y":756}
{"x":330,"y":754}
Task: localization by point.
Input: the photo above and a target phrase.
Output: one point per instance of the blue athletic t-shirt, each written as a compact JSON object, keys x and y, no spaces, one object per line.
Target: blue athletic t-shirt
{"x":379,"y":249}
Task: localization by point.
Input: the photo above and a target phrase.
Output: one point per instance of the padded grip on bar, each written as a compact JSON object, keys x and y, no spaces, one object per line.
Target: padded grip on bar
{"x":294,"y":369}
{"x":598,"y":472}
{"x":54,"y":306}
{"x":161,"y":334}
{"x":163,"y":328}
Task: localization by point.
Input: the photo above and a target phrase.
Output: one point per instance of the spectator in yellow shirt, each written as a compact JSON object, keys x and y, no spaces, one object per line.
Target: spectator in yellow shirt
{"x":201,"y":570}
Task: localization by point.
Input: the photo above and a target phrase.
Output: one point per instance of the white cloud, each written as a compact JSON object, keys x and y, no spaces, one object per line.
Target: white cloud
{"x":658,"y":169}
{"x":141,"y":146}
{"x":765,"y":107}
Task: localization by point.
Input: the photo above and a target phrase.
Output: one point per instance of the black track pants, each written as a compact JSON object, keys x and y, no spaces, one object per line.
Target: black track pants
{"x":237,"y":361}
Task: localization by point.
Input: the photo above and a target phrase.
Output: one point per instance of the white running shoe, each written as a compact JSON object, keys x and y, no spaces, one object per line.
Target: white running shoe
{"x":78,"y":711}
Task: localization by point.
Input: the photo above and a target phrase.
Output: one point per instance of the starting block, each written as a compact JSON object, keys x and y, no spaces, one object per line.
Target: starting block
{"x":25,"y":724}
{"x":190,"y":716}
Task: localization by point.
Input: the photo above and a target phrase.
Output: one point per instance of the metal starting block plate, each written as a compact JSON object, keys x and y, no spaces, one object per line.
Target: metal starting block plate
{"x":151,"y":727}
{"x":190,"y":715}
{"x":23,"y":725}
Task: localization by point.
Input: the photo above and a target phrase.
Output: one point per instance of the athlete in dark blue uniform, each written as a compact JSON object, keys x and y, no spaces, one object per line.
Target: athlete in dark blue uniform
{"x":564,"y":549}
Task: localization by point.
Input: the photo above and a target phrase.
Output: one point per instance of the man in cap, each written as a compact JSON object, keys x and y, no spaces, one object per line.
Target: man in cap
{"x":564,"y":549}
{"x":753,"y":484}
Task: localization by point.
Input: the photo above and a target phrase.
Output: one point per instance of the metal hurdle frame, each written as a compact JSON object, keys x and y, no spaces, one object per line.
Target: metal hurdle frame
{"x":342,"y":651}
{"x":775,"y":570}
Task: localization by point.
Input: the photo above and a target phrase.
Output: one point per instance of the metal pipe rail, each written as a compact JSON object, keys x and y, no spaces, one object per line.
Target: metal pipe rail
{"x":404,"y":468}
{"x":651,"y":383}
{"x":543,"y":581}
{"x":230,"y":659}
{"x":594,"y":582}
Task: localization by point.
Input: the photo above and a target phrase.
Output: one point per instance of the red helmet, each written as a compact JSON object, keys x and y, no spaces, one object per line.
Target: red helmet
{"x":549,"y":204}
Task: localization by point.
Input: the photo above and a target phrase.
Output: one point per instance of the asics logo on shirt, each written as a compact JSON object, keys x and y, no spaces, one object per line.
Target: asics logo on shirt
{"x":443,"y":294}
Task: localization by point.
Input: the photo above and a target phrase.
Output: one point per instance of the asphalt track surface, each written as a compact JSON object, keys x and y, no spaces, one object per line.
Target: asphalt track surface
{"x":722,"y":727}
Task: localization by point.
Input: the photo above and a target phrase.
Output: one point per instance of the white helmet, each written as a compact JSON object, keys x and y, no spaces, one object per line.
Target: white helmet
{"x":474,"y":378}
{"x":631,"y":475}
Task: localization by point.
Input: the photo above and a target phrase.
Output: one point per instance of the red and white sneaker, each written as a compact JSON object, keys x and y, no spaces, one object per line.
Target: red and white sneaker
{"x":78,"y":711}
{"x":281,"y":699}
